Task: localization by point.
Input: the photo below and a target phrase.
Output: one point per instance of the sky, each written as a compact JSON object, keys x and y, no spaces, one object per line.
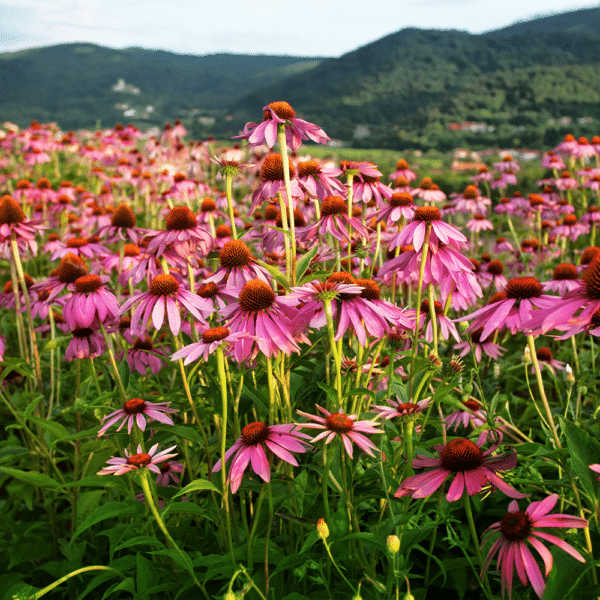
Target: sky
{"x":299,"y":28}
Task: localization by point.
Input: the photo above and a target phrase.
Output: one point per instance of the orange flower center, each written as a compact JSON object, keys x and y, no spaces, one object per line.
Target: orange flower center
{"x":71,"y":268}
{"x":88,"y":284}
{"x":10,"y":211}
{"x":123,"y":216}
{"x":371,"y":290}
{"x":333,"y":205}
{"x":461,"y":455}
{"x":401,"y":199}
{"x":180,"y":217}
{"x":339,"y":423}
{"x":515,"y":526}
{"x":215,"y":334}
{"x":164,"y":285}
{"x":234,"y":254}
{"x":255,"y":433}
{"x":134,"y":406}
{"x":521,"y":288}
{"x":256,"y":295}
{"x":139,"y":460}
{"x":428,"y":214}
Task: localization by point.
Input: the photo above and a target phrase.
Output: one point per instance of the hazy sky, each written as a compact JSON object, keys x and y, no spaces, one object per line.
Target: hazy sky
{"x":296,"y":27}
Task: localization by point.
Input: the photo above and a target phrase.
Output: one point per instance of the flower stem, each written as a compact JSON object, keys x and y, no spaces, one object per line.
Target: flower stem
{"x":288,"y":192}
{"x":229,"y":192}
{"x":113,"y":364}
{"x":225,"y":496}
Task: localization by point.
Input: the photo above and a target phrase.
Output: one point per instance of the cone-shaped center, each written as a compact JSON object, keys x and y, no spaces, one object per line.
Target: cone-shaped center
{"x":591,"y":278}
{"x":371,"y":290}
{"x":88,"y":284}
{"x":339,"y":423}
{"x":163,"y":285}
{"x":570,"y":220}
{"x":471,"y":404}
{"x":426,"y":183}
{"x":144,"y":343}
{"x":544,"y":354}
{"x":10,"y":211}
{"x":134,"y":406}
{"x":77,"y":242}
{"x":428,"y":214}
{"x":222,"y":231}
{"x":565,"y":271}
{"x":401,"y":199}
{"x":255,"y":433}
{"x":208,"y":290}
{"x":495,"y":267}
{"x":308,"y":167}
{"x":470,"y":193}
{"x":256,"y":295}
{"x":521,"y":288}
{"x":215,"y":334}
{"x":401,"y":165}
{"x":461,"y":455}
{"x":282,"y":109}
{"x":180,"y":217}
{"x":234,"y":254}
{"x":272,"y":168}
{"x":131,"y":250}
{"x":71,"y":268}
{"x":208,"y":205}
{"x":123,"y":216}
{"x":595,"y":321}
{"x":515,"y":526}
{"x":409,"y":407}
{"x":81,"y":332}
{"x":333,"y":205}
{"x":341,"y":277}
{"x":588,"y":255}
{"x":139,"y":460}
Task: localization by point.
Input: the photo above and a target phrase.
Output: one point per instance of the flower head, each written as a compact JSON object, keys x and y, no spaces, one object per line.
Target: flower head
{"x":517,"y":528}
{"x":345,"y":426}
{"x":472,"y":469}
{"x":141,"y":460}
{"x":250,"y":448}
{"x":134,"y":410}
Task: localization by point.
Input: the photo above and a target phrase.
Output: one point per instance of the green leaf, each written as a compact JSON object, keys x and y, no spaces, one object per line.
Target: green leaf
{"x":140,"y":540}
{"x":367,"y":538}
{"x":564,"y":577}
{"x":275,"y":273}
{"x":584,"y":451}
{"x":110,"y":510}
{"x":56,"y":429}
{"x":304,"y":262}
{"x":198,"y":485}
{"x":331,"y":392}
{"x":32,"y":477}
{"x":188,"y":433}
{"x":127,"y":585}
{"x":124,"y":372}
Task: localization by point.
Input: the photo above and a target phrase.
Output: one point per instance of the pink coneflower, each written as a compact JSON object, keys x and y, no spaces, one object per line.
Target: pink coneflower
{"x":446,"y":326}
{"x":493,"y":272}
{"x":404,"y":410}
{"x":480,"y":347}
{"x":520,"y":526}
{"x":583,"y":149}
{"x":296,"y":129}
{"x":512,"y":308}
{"x":165,"y":296}
{"x":414,"y":232}
{"x":143,"y":355}
{"x":592,"y":216}
{"x":346,"y":426}
{"x":134,"y":410}
{"x":182,"y":235}
{"x":271,"y":174}
{"x":479,"y":223}
{"x":366,"y":185}
{"x":81,"y":246}
{"x":250,"y":448}
{"x":237,"y":266}
{"x":546,"y":359}
{"x":564,"y":279}
{"x":335,"y":221}
{"x":401,"y":204}
{"x":471,"y":414}
{"x":210,"y":340}
{"x":14,"y":224}
{"x":502,"y":245}
{"x":141,"y":460}
{"x":89,"y":301}
{"x":565,"y":182}
{"x":86,"y":342}
{"x":402,"y":170}
{"x":471,"y":201}
{"x":551,"y":160}
{"x":507,"y":164}
{"x":428,"y":191}
{"x":570,"y":228}
{"x":122,"y":226}
{"x":168,"y":472}
{"x":483,"y":174}
{"x":259,"y":313}
{"x":318,"y":180}
{"x":471,"y":467}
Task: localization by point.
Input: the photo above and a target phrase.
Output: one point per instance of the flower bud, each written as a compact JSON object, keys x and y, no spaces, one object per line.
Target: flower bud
{"x":323,"y":529}
{"x":527,"y":356}
{"x":569,"y":375}
{"x":393,"y":544}
{"x":232,"y":596}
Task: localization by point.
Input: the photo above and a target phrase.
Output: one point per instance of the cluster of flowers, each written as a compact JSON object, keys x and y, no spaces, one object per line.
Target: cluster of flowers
{"x":188,"y":273}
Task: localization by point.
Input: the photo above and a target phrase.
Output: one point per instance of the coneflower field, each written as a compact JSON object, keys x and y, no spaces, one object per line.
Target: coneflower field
{"x":238,"y":370}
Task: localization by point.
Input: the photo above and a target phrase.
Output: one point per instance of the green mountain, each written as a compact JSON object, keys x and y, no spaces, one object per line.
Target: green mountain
{"x":72,"y":83}
{"x":522,"y":85}
{"x":406,"y":89}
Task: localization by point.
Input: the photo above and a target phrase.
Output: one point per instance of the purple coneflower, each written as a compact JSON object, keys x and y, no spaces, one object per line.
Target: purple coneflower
{"x":400,"y":205}
{"x":259,"y":313}
{"x":141,"y":460}
{"x":296,"y":129}
{"x":250,"y":448}
{"x":404,"y":410}
{"x":210,"y":340}
{"x":564,"y":279}
{"x":271,"y":174}
{"x":134,"y":410}
{"x":86,"y":342}
{"x":90,"y":301}
{"x":517,"y":528}
{"x":471,"y":467}
{"x":143,"y":355}
{"x":402,"y":170}
{"x":168,"y":473}
{"x":14,"y":223}
{"x":346,"y":426}
{"x":318,"y":180}
{"x":480,"y":347}
{"x":164,"y":297}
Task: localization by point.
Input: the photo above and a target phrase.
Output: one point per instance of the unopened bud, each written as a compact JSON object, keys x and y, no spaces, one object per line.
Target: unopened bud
{"x":409,"y":596}
{"x":527,"y":356}
{"x":232,"y":596}
{"x":393,"y":544}
{"x":569,"y":375}
{"x":323,"y":529}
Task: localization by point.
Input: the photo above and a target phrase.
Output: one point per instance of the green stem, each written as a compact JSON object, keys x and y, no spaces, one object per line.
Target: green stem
{"x":60,"y":581}
{"x":113,"y":364}
{"x":229,"y":192}
{"x":288,"y":192}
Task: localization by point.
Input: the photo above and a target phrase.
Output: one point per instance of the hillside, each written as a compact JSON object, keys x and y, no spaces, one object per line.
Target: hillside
{"x":72,"y":83}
